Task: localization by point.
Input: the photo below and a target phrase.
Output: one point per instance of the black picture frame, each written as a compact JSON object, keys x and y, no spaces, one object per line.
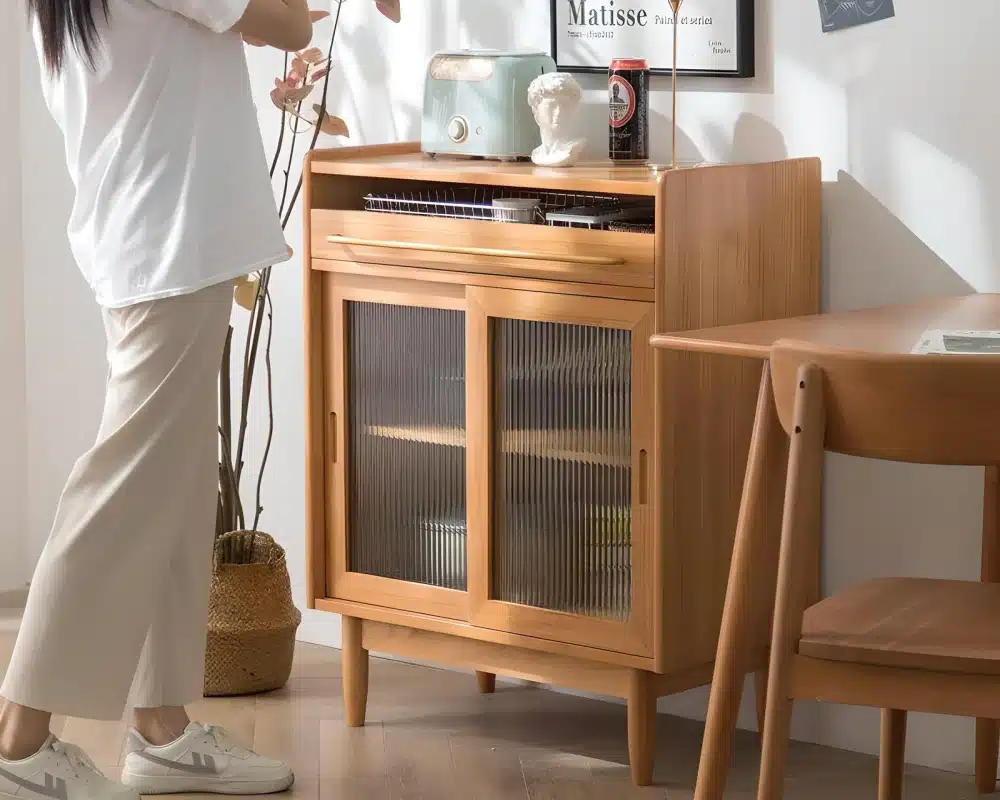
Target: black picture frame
{"x":745,"y":56}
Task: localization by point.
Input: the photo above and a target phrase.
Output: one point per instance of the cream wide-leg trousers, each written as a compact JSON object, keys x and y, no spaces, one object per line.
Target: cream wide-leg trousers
{"x":124,"y":579}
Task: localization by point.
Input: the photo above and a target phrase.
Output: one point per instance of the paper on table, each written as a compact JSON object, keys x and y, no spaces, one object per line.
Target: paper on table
{"x":959,"y":342}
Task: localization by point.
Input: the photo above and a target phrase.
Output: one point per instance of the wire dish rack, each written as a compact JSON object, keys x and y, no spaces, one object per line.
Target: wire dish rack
{"x":565,"y":209}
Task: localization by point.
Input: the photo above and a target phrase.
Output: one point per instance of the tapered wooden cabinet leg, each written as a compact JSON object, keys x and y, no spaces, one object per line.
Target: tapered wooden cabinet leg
{"x":355,"y":668}
{"x":487,"y":682}
{"x":892,"y":754}
{"x":750,"y":592}
{"x":641,"y":726}
{"x":988,"y":730}
{"x":760,"y":690}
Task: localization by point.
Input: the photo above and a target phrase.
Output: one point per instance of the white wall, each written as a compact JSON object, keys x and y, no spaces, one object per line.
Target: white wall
{"x":64,"y":339}
{"x":13,"y":414}
{"x":911,"y":168}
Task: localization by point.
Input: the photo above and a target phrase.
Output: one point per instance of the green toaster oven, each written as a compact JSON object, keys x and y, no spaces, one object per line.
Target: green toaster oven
{"x":476,"y":104}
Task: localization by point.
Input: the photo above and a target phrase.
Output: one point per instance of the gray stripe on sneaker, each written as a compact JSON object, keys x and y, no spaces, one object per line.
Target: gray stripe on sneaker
{"x":203,"y":765}
{"x":209,"y":762}
{"x":53,"y":787}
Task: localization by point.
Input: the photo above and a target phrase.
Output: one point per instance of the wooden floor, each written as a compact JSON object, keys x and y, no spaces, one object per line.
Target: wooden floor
{"x":431,"y":736}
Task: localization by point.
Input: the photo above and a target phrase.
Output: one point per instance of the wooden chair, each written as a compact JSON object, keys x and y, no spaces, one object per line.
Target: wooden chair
{"x":897,"y":644}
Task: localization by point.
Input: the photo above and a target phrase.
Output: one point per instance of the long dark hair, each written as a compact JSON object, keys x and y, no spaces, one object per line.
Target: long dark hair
{"x":64,"y":23}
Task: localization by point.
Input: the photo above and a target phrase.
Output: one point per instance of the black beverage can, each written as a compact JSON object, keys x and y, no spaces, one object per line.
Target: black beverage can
{"x":628,"y":109}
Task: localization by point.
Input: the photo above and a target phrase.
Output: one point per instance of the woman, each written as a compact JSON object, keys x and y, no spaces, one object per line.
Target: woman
{"x":173,"y":202}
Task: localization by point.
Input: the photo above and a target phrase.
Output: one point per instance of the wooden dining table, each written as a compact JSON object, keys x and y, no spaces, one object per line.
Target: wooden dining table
{"x":753,"y":570}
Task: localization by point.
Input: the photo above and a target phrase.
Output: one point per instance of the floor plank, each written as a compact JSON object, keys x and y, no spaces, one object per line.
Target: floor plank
{"x":432,"y":736}
{"x":419,"y":765}
{"x":487,"y":770}
{"x":557,"y":776}
{"x":353,"y":762}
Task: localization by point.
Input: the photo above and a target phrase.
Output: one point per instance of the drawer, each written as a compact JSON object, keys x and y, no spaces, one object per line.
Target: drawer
{"x":477,"y":246}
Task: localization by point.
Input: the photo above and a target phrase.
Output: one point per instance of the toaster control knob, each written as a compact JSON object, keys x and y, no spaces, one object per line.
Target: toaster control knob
{"x":458,"y":129}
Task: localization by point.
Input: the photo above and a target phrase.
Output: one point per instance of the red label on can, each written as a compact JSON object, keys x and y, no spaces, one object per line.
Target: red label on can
{"x":621,"y":105}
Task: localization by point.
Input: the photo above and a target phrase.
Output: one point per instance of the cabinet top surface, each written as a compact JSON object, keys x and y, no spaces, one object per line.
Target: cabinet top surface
{"x":406,"y":162}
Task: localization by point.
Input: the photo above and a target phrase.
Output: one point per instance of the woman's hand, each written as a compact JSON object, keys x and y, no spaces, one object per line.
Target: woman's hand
{"x":314,"y":17}
{"x":390,"y":9}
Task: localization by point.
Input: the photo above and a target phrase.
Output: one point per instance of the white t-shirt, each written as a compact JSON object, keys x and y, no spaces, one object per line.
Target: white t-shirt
{"x":163,"y":145}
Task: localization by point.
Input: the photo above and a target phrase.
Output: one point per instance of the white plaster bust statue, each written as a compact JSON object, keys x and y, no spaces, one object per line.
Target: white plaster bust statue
{"x":554,"y":98}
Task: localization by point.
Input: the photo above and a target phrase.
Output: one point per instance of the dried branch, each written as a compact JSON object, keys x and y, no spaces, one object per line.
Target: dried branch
{"x":288,"y":168}
{"x":231,"y":512}
{"x":281,"y":134}
{"x":287,"y":215}
{"x":227,"y":505}
{"x":224,"y":515}
{"x":227,"y":452}
{"x":257,"y":316}
{"x":220,"y":524}
{"x":249,"y":368}
{"x":270,"y":408}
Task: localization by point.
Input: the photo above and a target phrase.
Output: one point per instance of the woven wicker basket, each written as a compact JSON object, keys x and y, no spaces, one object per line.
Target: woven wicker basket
{"x":251,"y":619}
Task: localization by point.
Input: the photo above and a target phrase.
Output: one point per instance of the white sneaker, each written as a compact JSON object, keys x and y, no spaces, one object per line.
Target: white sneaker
{"x":204,"y":759}
{"x":58,"y":771}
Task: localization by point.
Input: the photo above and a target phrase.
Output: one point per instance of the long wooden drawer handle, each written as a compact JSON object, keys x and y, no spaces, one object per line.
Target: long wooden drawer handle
{"x":596,"y":261}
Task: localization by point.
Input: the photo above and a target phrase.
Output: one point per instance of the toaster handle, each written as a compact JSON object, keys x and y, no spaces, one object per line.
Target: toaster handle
{"x":595,"y":261}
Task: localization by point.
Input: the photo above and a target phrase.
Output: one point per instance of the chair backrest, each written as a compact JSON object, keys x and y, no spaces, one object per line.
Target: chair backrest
{"x":924,"y":409}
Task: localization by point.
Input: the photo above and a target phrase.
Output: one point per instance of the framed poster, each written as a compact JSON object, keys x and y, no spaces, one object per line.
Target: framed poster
{"x":714,"y":37}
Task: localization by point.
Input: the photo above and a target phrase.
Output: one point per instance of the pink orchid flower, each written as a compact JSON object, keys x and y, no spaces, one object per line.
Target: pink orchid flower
{"x":291,"y":91}
{"x":298,"y":71}
{"x":312,"y":56}
{"x":307,"y":67}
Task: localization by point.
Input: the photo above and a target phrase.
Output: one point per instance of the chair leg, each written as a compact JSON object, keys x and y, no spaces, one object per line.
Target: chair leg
{"x":892,"y":754}
{"x":802,"y":497}
{"x":760,"y":685}
{"x":988,"y":730}
{"x":774,"y":753}
{"x":641,"y":726}
{"x":750,"y":591}
{"x":987,"y":750}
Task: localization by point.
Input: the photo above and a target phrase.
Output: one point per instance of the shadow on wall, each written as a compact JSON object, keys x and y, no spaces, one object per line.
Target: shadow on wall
{"x":925,"y":148}
{"x":382,"y":115}
{"x":879,"y":259}
{"x":756,"y":139}
{"x":753,"y":139}
{"x":594,"y":121}
{"x":378,"y":90}
{"x":492,"y":24}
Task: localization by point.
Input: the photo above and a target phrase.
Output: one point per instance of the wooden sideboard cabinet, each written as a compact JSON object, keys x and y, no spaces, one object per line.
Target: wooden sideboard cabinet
{"x":503,"y":475}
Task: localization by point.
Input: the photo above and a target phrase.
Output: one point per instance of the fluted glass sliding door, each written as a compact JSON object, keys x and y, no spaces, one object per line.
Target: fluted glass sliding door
{"x":401,"y":519}
{"x":562,"y":438}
